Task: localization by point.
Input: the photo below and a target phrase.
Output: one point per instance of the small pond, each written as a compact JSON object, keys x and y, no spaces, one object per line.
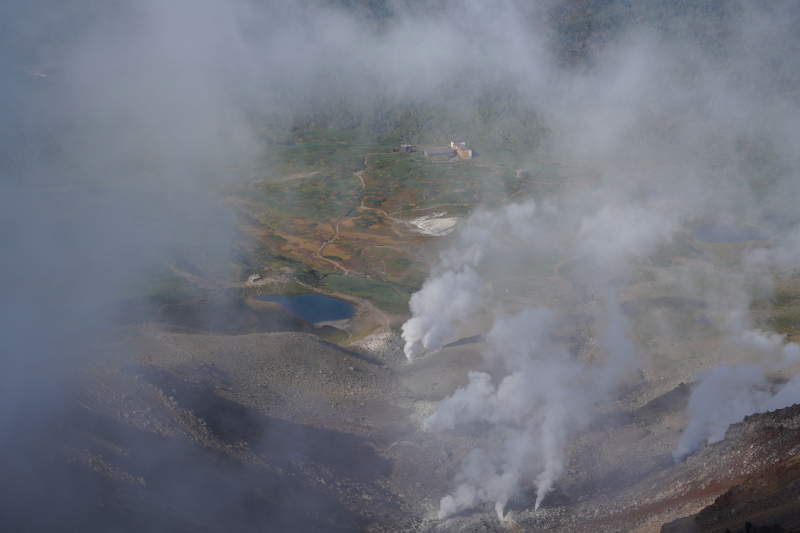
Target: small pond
{"x":718,"y":233}
{"x":312,"y":308}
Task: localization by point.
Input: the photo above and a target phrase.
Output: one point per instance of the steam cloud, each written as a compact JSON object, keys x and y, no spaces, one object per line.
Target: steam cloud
{"x":545,"y":395}
{"x":454,"y":292}
{"x":639,"y":87}
{"x":725,"y":395}
{"x":152,"y":96}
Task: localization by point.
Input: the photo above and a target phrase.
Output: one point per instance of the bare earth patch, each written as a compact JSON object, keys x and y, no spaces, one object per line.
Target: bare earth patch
{"x":435,"y":224}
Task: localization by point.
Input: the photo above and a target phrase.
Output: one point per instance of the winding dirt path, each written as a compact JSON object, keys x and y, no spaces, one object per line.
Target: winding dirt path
{"x":438,"y":206}
{"x":361,"y":207}
{"x":318,"y":253}
{"x":296,"y":176}
{"x":395,"y":221}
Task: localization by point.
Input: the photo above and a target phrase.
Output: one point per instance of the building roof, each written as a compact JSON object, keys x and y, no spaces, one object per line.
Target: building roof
{"x":457,"y":139}
{"x":439,"y":151}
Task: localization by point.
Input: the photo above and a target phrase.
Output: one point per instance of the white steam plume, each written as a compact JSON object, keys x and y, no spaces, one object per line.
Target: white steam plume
{"x":616,"y":232}
{"x":454,"y":291}
{"x":532,"y":411}
{"x":546,"y":394}
{"x":440,"y":301}
{"x":725,"y":395}
{"x":784,"y":256}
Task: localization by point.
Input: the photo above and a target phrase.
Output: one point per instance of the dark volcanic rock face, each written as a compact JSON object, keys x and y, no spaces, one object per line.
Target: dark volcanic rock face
{"x":767,"y":500}
{"x":188,"y":432}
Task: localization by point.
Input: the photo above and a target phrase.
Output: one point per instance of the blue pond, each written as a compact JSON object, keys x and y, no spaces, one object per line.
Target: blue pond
{"x":717,"y":233}
{"x":312,"y":307}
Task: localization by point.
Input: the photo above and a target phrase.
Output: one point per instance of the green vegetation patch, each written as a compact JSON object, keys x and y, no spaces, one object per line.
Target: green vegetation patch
{"x":308,"y":150}
{"x":312,"y":276}
{"x":785,"y":298}
{"x":396,"y":182}
{"x":307,"y":177}
{"x":395,"y":266}
{"x":323,"y":196}
{"x":367,"y":220}
{"x":785,"y":323}
{"x":262,"y":257}
{"x":388,"y":296}
{"x":290,"y":288}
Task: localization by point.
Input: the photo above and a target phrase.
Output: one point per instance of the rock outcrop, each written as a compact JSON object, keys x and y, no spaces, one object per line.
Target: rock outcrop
{"x":768,"y":498}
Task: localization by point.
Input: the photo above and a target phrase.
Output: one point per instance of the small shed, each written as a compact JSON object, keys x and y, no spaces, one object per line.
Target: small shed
{"x":407,"y":148}
{"x":463,"y":152}
{"x":459,"y":144}
{"x":253,"y":278}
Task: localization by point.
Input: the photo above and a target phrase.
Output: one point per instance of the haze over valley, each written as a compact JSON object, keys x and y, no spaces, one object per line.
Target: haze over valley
{"x":373,"y":265}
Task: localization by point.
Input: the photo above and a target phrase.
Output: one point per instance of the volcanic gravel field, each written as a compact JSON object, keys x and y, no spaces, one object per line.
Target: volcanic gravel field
{"x":287,"y":432}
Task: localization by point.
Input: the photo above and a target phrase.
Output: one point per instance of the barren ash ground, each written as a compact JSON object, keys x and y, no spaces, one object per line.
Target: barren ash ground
{"x":294,"y":433}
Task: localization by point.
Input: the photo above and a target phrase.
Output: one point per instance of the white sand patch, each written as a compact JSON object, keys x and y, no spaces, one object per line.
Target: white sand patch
{"x":434,"y":224}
